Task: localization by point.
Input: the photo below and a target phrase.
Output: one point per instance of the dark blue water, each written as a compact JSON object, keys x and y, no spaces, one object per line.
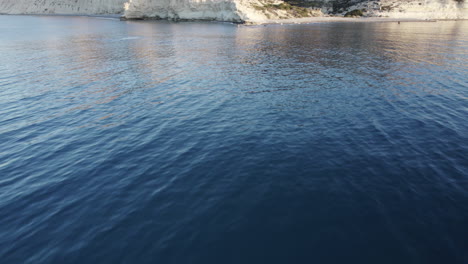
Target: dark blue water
{"x":156,"y":142}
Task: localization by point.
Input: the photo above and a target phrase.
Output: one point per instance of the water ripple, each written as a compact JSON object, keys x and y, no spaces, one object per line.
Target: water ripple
{"x":145,"y":141}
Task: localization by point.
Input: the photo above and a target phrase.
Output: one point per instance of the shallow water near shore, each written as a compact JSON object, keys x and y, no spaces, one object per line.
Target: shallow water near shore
{"x":158,"y":142}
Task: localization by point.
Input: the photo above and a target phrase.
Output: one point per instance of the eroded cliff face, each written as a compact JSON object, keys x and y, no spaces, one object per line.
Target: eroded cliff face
{"x":262,"y":10}
{"x":224,"y":10}
{"x":419,"y":9}
{"x":89,"y":7}
{"x":241,"y":10}
{"x":221,"y":10}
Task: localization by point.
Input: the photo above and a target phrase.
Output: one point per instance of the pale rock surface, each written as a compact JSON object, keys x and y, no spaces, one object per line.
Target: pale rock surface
{"x":85,"y":7}
{"x":254,"y":11}
{"x":415,"y":9}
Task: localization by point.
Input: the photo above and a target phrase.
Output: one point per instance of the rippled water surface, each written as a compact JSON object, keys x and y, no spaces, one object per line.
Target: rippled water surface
{"x":157,"y":142}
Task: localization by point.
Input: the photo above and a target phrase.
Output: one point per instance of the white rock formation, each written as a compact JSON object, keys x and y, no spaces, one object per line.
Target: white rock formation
{"x":416,"y":9}
{"x":221,"y":10}
{"x":87,"y":7}
{"x":225,"y":10}
{"x":255,"y":11}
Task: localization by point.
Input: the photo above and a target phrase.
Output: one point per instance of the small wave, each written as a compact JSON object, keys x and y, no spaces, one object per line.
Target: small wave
{"x":130,"y":38}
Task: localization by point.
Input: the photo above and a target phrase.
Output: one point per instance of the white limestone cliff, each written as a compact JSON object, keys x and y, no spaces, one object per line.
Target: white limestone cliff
{"x":220,"y":10}
{"x":415,"y":9}
{"x":225,"y":10}
{"x":68,"y":7}
{"x":255,"y":11}
{"x":259,"y":11}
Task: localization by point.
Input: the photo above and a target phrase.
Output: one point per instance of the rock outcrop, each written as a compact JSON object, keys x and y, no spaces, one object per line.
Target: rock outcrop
{"x":241,"y":10}
{"x":69,"y":7}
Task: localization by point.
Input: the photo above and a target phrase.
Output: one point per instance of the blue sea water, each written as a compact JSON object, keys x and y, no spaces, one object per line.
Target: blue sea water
{"x":158,"y":142}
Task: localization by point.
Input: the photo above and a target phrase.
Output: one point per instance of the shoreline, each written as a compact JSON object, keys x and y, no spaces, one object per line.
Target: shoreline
{"x":333,"y":19}
{"x":288,"y":21}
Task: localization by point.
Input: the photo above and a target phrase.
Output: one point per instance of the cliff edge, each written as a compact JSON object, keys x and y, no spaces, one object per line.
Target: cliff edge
{"x":240,"y":11}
